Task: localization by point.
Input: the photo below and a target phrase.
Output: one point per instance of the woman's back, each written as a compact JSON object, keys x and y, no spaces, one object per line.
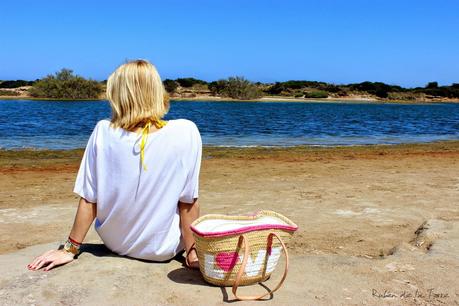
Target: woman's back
{"x":137,"y":212}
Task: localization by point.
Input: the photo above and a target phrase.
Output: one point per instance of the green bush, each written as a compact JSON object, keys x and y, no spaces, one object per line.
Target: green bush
{"x":439,"y":91}
{"x":318,"y":94}
{"x":189,"y":82}
{"x":170,"y":85}
{"x":65,"y":85}
{"x":236,"y":88}
{"x":15,"y":84}
{"x":279,"y":87}
{"x":217,"y":87}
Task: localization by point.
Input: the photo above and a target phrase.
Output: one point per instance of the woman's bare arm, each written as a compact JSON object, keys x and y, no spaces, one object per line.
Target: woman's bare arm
{"x":189,"y":213}
{"x":85,"y":215}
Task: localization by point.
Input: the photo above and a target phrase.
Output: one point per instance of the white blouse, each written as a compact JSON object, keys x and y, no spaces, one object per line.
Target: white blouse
{"x":137,"y":209}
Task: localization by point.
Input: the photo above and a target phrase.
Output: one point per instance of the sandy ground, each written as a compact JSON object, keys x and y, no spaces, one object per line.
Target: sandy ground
{"x":377,"y":226}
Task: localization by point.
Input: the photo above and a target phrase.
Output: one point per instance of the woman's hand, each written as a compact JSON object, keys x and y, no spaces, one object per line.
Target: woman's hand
{"x":51,"y":259}
{"x":85,"y":215}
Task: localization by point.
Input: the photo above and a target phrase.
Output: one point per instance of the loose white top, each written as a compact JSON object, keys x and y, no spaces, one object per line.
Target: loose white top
{"x":137,"y":210}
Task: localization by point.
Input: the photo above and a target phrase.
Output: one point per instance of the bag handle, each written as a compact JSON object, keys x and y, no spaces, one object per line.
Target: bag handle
{"x":243,"y":242}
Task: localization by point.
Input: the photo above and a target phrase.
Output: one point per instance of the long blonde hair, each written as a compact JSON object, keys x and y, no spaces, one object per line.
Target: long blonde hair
{"x":136,"y":95}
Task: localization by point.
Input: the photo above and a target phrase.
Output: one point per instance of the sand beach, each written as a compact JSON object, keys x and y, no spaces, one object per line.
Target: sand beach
{"x":378,"y":225}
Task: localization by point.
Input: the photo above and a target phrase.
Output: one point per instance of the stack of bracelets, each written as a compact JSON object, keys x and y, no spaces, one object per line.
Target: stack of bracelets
{"x":72,"y":246}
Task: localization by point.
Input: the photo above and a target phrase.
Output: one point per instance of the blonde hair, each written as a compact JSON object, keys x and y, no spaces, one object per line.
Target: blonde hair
{"x":136,"y":95}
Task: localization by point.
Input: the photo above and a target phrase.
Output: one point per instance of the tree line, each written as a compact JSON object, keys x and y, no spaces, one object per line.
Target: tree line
{"x":241,"y":88}
{"x":64,"y":84}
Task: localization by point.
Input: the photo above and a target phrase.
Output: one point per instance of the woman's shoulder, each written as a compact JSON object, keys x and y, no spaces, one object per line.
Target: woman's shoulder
{"x":103,"y":123}
{"x":184,"y":125}
{"x":100,"y":127}
{"x":185,"y":132}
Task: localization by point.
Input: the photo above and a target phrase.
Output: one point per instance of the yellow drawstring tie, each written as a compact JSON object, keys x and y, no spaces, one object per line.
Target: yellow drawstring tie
{"x":145,"y":131}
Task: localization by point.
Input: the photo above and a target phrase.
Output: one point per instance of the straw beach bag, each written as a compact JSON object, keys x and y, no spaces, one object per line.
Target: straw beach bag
{"x":241,"y":250}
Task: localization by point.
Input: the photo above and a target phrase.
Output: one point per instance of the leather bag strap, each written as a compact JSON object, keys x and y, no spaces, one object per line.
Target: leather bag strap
{"x":243,"y":243}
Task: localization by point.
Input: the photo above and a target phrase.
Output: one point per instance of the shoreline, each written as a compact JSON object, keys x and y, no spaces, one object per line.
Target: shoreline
{"x":263,"y":99}
{"x":30,"y":159}
{"x":306,"y":147}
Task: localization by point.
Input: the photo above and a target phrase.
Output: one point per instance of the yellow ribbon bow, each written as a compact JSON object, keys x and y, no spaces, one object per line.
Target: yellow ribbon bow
{"x":145,"y":131}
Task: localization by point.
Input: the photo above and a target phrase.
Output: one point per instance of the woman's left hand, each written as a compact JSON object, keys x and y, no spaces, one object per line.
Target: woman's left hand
{"x":50,"y":259}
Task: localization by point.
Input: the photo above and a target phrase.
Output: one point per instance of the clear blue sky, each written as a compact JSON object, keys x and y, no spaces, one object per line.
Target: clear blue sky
{"x":399,"y":42}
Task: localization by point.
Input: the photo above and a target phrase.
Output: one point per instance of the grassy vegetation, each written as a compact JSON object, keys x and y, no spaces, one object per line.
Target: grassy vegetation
{"x":8,"y":93}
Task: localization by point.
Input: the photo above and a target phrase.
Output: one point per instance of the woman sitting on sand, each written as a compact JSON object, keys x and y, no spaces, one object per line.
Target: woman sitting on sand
{"x":138,"y":177}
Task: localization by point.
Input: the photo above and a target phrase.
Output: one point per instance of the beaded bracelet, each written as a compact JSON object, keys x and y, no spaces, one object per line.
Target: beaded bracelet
{"x":74,"y":242}
{"x":72,"y":246}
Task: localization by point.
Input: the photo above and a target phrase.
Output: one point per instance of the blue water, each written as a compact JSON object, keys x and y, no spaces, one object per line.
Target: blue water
{"x":67,"y":125}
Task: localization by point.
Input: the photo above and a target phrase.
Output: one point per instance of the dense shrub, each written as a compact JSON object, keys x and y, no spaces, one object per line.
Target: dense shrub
{"x":432,"y":85}
{"x":236,"y":88}
{"x":292,"y":85}
{"x":170,"y":85}
{"x":378,"y":89}
{"x":332,"y":88}
{"x":217,"y":87}
{"x":443,"y":91}
{"x":65,"y":85}
{"x":275,"y":89}
{"x":15,"y":84}
{"x":189,"y":82}
{"x":317,"y":94}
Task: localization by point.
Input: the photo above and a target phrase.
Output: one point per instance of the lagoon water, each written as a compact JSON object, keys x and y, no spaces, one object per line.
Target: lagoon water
{"x":68,"y":124}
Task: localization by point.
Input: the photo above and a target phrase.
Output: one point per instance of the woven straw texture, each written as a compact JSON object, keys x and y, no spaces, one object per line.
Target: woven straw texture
{"x":210,"y":249}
